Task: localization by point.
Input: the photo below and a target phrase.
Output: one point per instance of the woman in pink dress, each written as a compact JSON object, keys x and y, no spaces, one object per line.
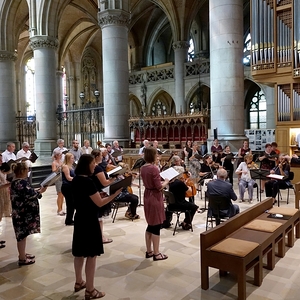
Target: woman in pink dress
{"x":153,"y":204}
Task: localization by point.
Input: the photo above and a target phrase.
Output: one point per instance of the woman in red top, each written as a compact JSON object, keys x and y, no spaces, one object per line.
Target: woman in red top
{"x":153,"y":204}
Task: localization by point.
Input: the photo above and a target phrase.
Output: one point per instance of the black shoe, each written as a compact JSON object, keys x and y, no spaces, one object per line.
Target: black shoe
{"x":70,"y":224}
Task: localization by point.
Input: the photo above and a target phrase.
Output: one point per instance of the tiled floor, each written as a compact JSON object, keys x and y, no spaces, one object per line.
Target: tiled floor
{"x":123,"y":272}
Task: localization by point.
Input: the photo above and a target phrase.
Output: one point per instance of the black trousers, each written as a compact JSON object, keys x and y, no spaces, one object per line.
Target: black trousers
{"x":132,"y":199}
{"x":272,"y":187}
{"x":67,"y":192}
{"x":189,"y":208}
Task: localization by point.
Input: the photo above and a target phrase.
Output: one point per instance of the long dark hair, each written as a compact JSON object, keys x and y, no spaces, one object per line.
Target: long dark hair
{"x":83,"y":166}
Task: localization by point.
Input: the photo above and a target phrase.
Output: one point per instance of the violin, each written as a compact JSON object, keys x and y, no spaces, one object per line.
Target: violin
{"x":189,"y":183}
{"x":252,"y":165}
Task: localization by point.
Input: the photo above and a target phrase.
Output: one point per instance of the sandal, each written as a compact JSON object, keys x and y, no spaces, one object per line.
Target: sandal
{"x":149,"y":254}
{"x":159,"y":256}
{"x":30,"y":256}
{"x":136,"y":217}
{"x":79,"y":286}
{"x":107,"y":241}
{"x":26,"y":262}
{"x":94,"y":294}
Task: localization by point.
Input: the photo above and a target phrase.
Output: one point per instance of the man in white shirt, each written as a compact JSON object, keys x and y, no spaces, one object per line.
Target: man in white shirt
{"x":116,"y":147}
{"x":86,"y":149}
{"x":60,"y":147}
{"x":8,"y":154}
{"x":24,"y":152}
{"x":146,"y":145}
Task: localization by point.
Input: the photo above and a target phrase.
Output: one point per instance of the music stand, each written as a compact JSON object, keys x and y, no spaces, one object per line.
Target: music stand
{"x":137,"y":165}
{"x":260,"y":174}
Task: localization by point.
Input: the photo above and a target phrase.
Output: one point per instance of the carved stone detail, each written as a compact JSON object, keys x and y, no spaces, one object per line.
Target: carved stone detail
{"x":113,"y":17}
{"x":181,"y":45}
{"x":37,"y":42}
{"x":7,"y":56}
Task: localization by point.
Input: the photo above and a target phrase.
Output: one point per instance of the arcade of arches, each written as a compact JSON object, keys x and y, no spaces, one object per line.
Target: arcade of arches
{"x":138,"y":55}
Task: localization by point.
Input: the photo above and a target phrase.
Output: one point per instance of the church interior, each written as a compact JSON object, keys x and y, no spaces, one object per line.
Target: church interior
{"x":170,"y":71}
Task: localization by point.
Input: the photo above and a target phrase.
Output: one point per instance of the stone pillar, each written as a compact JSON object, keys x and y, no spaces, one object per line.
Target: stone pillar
{"x":114,"y":25}
{"x":180,"y":51}
{"x":72,"y":84}
{"x":44,"y":50}
{"x":227,"y":71}
{"x":7,"y":99}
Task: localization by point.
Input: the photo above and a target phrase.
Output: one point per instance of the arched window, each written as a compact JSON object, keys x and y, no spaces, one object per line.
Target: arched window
{"x":158,"y":109}
{"x":30,"y":91}
{"x":258,"y":111}
{"x":191,"y":51}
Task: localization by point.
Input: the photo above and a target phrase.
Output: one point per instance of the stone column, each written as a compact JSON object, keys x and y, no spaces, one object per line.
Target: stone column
{"x":226,"y":71}
{"x":7,"y":99}
{"x":114,"y":25}
{"x":44,"y":50}
{"x":180,"y":51}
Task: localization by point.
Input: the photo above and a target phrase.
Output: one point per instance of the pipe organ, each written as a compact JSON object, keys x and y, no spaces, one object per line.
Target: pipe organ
{"x":275,"y":60}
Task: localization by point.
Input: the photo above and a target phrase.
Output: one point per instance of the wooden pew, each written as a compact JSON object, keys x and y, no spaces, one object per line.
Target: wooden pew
{"x":217,"y":252}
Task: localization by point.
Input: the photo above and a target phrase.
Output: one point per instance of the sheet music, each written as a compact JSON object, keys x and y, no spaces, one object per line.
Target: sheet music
{"x":114,"y":170}
{"x":275,"y":176}
{"x":170,"y":173}
{"x":51,"y":179}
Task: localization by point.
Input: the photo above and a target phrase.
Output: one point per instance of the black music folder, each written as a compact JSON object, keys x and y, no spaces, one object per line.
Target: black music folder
{"x":123,"y":183}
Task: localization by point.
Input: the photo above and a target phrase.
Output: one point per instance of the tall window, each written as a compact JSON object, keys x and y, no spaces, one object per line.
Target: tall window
{"x":191,"y":51}
{"x":258,"y":111}
{"x":30,"y":93}
{"x":247,"y":48}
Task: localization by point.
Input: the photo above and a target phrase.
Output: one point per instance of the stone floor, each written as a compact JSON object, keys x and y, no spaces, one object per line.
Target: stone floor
{"x":123,"y":272}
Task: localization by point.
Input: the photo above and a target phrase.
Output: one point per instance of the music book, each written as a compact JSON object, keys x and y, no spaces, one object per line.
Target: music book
{"x":50,"y":179}
{"x":11,"y":161}
{"x":123,"y":183}
{"x":275,"y":176}
{"x":114,"y":171}
{"x":170,"y":173}
{"x":33,"y":157}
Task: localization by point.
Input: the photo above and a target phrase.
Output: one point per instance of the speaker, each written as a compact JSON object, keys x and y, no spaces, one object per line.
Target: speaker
{"x":215,"y":133}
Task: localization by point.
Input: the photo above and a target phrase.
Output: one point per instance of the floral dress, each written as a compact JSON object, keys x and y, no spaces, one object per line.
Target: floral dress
{"x":25,"y":209}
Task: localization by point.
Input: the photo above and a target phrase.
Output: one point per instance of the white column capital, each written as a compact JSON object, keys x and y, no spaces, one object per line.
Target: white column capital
{"x":7,"y":56}
{"x":116,"y":17}
{"x":43,"y":41}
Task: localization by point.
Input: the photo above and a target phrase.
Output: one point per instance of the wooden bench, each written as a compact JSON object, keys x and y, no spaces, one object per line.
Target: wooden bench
{"x":236,"y":246}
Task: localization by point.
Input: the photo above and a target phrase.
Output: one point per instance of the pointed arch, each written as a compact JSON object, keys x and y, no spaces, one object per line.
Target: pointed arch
{"x":161,"y":95}
{"x":135,"y":105}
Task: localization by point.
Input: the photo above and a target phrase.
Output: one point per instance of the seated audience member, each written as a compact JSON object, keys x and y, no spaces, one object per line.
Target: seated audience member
{"x":221,"y":187}
{"x":245,"y":180}
{"x":283,"y":168}
{"x":179,"y":189}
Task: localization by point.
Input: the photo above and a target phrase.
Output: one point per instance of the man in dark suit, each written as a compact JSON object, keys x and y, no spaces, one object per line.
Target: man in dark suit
{"x":220,"y":187}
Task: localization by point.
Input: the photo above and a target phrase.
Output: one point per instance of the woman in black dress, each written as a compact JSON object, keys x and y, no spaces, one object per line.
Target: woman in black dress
{"x":87,"y":241}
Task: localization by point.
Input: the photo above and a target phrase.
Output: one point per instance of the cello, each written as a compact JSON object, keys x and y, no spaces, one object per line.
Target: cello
{"x":189,"y":183}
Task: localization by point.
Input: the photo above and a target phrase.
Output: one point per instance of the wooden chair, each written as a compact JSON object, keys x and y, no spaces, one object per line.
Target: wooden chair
{"x":215,"y":205}
{"x":171,"y":200}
